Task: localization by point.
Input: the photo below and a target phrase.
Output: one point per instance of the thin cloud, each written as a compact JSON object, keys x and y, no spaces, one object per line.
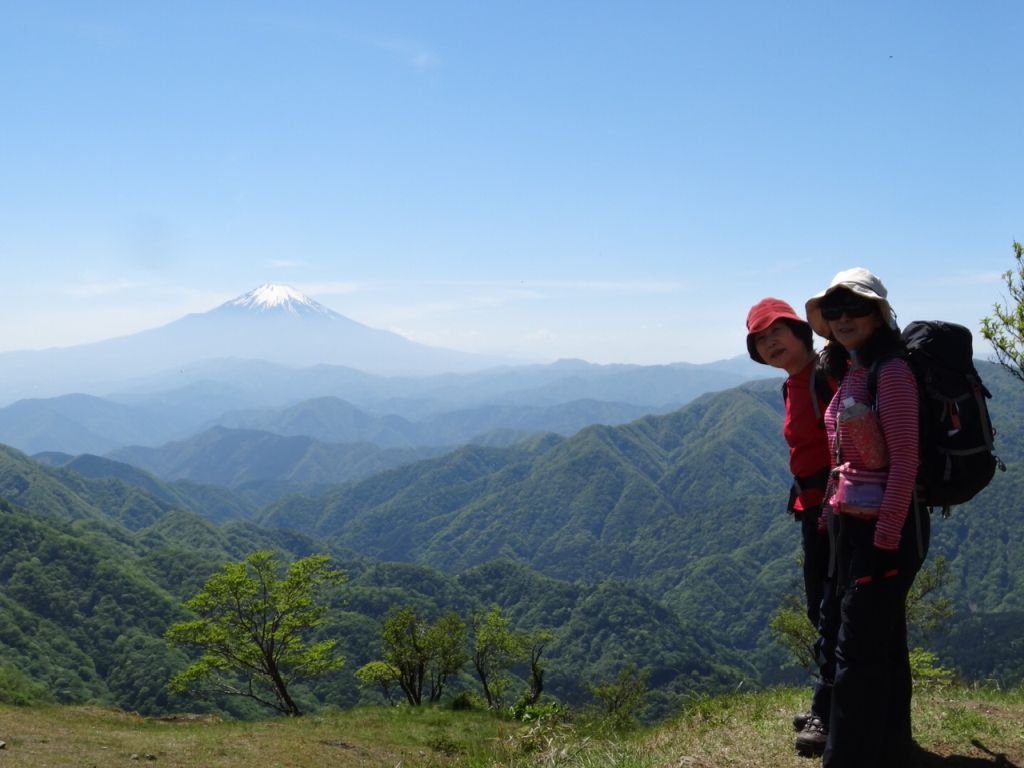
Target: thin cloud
{"x":453,"y":297}
{"x":620,"y":287}
{"x":511,"y":295}
{"x":970,"y":278}
{"x":419,"y":56}
{"x":331,"y":289}
{"x":472,"y":301}
{"x":102,"y":35}
{"x":541,"y":288}
{"x":92,"y":289}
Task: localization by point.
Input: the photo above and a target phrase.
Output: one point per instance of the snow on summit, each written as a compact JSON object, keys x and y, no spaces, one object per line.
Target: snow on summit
{"x":269,"y":297}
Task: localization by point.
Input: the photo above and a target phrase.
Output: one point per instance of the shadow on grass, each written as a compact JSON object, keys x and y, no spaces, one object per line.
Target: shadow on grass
{"x":927,"y":759}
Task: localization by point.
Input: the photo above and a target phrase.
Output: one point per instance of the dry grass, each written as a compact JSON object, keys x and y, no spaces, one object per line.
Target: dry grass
{"x":956,"y":727}
{"x":89,"y":736}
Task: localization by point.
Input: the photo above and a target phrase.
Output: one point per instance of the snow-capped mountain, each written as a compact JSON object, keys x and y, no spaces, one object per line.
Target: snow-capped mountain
{"x":274,"y":323}
{"x":270,"y":297}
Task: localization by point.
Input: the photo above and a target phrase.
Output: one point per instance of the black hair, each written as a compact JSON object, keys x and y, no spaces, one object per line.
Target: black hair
{"x":802,"y":331}
{"x":885,"y":341}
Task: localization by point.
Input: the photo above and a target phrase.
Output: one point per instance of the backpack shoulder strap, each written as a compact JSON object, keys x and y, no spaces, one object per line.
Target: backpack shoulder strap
{"x":873,"y":376}
{"x":873,"y":382}
{"x":823,"y":389}
{"x":815,"y":398}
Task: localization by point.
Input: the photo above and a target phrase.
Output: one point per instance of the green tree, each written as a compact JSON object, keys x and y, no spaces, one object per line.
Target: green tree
{"x":405,"y":649}
{"x":378,"y":674}
{"x":424,"y":653}
{"x":535,"y":643}
{"x":927,"y":611}
{"x":447,"y":639}
{"x":20,"y":689}
{"x":926,"y":670}
{"x":622,"y":701}
{"x":1005,"y":328}
{"x":792,"y":630}
{"x":252,"y":627}
{"x":495,"y":649}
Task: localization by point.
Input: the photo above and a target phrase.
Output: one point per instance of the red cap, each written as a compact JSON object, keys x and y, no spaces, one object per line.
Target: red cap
{"x":762,"y":315}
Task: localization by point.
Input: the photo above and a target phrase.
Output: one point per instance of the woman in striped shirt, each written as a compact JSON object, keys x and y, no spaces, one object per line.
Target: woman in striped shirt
{"x":880,"y":535}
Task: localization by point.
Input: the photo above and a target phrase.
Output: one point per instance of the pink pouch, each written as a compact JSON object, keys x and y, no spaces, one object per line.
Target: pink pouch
{"x":859,"y":492}
{"x":861,"y":422}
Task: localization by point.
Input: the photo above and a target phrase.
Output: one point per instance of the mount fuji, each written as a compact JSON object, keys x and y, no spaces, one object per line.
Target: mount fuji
{"x":278,"y":324}
{"x":272,"y":323}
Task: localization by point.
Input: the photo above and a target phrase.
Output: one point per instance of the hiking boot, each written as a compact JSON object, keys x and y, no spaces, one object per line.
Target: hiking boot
{"x":800,"y":720}
{"x":811,"y":740}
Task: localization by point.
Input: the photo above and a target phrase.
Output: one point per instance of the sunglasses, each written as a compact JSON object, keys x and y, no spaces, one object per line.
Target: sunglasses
{"x":850,"y":307}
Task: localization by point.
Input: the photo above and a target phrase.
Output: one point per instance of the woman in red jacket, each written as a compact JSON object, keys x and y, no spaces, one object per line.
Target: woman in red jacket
{"x":880,"y":533}
{"x":778,"y":337}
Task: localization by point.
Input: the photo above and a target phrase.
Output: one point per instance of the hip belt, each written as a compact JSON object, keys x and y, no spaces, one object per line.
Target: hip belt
{"x":861,"y":513}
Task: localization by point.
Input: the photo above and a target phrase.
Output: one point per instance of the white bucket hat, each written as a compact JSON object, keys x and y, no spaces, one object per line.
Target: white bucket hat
{"x":859,"y":281}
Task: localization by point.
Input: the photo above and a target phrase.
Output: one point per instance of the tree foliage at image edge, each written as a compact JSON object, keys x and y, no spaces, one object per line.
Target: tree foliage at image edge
{"x":1005,"y":328}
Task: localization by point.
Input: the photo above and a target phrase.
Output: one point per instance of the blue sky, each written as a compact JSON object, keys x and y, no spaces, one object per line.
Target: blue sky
{"x":612,"y":181}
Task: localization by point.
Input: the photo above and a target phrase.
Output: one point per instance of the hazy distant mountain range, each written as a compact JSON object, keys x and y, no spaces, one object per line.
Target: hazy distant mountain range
{"x":277,"y":361}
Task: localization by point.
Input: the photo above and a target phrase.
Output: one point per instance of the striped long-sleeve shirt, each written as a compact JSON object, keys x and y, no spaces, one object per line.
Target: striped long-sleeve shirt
{"x":897,"y":412}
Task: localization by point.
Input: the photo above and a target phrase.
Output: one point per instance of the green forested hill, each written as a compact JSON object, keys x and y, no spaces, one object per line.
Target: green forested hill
{"x":92,"y":571}
{"x":260,"y":466}
{"x":645,"y":500}
{"x":596,"y":628}
{"x":661,"y":543}
{"x":85,"y":597}
{"x":624,"y":501}
{"x":211,"y":501}
{"x":91,"y":487}
{"x":687,"y":506}
{"x":74,"y":602}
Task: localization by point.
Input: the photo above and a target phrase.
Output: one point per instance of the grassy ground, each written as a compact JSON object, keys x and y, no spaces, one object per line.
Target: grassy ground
{"x":956,"y":728}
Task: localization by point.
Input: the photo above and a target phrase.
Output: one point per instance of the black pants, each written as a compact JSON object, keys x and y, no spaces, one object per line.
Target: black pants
{"x":815,"y":547}
{"x":822,"y":608}
{"x":870,"y":720}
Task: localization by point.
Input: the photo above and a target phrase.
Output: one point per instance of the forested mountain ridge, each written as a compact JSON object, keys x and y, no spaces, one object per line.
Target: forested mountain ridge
{"x":85,"y":598}
{"x":262,"y":466}
{"x":90,"y":487}
{"x":662,"y":542}
{"x":607,"y":501}
{"x":632,"y":500}
{"x":688,"y":505}
{"x":334,"y":420}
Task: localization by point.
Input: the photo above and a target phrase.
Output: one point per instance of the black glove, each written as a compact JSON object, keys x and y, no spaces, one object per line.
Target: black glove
{"x":885,"y":563}
{"x":794,"y":494}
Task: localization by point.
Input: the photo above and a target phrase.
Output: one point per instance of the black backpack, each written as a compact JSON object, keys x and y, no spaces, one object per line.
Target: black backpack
{"x":957,"y":458}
